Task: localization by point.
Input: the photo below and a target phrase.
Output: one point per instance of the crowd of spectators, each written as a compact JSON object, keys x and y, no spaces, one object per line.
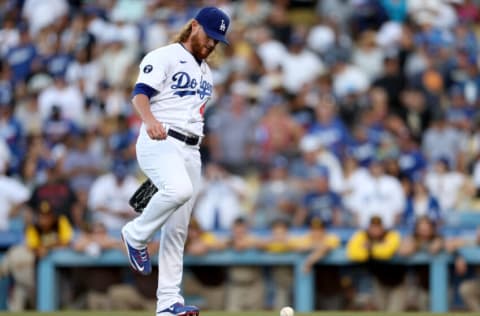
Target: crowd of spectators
{"x":332,"y":111}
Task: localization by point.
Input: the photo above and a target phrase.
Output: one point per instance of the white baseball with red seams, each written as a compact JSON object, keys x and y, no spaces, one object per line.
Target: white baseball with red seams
{"x":287,"y":311}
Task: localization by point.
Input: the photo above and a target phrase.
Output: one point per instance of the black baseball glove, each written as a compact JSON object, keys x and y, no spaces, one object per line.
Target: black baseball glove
{"x":142,"y":196}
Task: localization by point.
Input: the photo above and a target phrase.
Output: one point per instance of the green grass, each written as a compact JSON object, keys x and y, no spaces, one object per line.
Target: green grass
{"x":220,"y":313}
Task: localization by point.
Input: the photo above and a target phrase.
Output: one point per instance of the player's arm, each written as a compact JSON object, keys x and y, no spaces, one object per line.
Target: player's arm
{"x":356,"y":249}
{"x":141,"y":102}
{"x":386,"y":249}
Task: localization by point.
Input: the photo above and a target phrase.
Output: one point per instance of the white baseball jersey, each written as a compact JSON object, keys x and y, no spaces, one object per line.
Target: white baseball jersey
{"x":183,"y":85}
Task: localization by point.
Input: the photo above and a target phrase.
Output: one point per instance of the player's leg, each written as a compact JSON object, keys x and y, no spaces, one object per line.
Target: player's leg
{"x":163,"y":163}
{"x":174,"y":234}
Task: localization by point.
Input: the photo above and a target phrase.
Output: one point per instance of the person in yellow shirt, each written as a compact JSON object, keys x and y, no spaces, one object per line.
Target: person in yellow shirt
{"x":374,"y":247}
{"x":317,"y":241}
{"x":47,"y":232}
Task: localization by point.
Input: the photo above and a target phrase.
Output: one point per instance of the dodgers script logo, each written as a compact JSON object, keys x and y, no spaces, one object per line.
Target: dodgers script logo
{"x":188,"y":86}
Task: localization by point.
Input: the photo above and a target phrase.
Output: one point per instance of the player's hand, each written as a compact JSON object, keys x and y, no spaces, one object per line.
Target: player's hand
{"x":155,"y":129}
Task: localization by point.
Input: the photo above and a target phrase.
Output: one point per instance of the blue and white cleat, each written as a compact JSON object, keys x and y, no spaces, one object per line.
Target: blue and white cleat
{"x":180,"y":310}
{"x":139,"y":258}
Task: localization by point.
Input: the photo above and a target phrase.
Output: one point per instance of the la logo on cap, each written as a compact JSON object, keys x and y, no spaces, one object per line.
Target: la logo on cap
{"x":222,"y":26}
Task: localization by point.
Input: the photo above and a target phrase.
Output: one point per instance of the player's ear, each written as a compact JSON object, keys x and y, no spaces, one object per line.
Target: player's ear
{"x":195,"y":25}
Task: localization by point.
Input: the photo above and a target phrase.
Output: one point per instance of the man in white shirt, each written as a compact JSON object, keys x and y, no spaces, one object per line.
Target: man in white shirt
{"x":379,"y":195}
{"x":109,"y":196}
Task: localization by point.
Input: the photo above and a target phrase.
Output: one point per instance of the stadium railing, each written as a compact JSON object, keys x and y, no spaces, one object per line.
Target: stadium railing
{"x":47,"y":294}
{"x":304,"y":287}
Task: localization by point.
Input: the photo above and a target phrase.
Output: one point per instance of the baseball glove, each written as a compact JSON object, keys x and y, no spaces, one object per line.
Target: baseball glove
{"x":142,"y":196}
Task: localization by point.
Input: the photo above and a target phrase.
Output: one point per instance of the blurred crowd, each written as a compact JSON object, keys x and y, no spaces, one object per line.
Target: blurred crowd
{"x":335,"y":112}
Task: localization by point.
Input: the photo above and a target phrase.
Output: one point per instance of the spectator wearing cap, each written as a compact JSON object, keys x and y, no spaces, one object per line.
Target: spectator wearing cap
{"x":277,"y":196}
{"x":109,"y":195}
{"x":374,"y":246}
{"x":48,"y":231}
{"x":379,"y":195}
{"x":348,"y":79}
{"x":444,"y":184}
{"x":309,"y":161}
{"x":58,"y":194}
{"x":320,"y":201}
{"x":425,"y":238}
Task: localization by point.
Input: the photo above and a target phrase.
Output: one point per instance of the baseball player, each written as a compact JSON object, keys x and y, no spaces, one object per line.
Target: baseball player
{"x":173,"y":86}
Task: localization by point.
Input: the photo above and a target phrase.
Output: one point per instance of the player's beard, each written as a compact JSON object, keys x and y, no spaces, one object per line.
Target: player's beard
{"x":200,"y":50}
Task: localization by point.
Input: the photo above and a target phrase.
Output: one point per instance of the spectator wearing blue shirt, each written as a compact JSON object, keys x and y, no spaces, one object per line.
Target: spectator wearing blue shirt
{"x":320,"y":201}
{"x":411,"y":160}
{"x":56,"y":61}
{"x":459,"y":113}
{"x":6,"y":87}
{"x":361,"y":147}
{"x":21,"y":57}
{"x":56,"y":127}
{"x":11,"y":131}
{"x":420,"y":204}
{"x":328,"y":128}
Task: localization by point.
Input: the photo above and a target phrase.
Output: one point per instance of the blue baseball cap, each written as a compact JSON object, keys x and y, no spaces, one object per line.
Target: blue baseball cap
{"x":214,"y":22}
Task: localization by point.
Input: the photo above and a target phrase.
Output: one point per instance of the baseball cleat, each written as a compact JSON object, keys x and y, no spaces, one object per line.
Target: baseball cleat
{"x":139,"y":258}
{"x":179,"y":309}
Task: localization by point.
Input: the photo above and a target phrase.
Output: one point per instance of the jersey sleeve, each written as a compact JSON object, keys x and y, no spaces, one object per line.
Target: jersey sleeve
{"x":153,"y":70}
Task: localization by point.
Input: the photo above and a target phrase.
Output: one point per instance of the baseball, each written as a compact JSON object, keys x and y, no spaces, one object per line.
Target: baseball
{"x":287,"y":311}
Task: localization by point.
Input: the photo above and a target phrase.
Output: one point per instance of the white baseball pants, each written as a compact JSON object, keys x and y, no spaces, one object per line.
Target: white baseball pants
{"x":175,"y":168}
